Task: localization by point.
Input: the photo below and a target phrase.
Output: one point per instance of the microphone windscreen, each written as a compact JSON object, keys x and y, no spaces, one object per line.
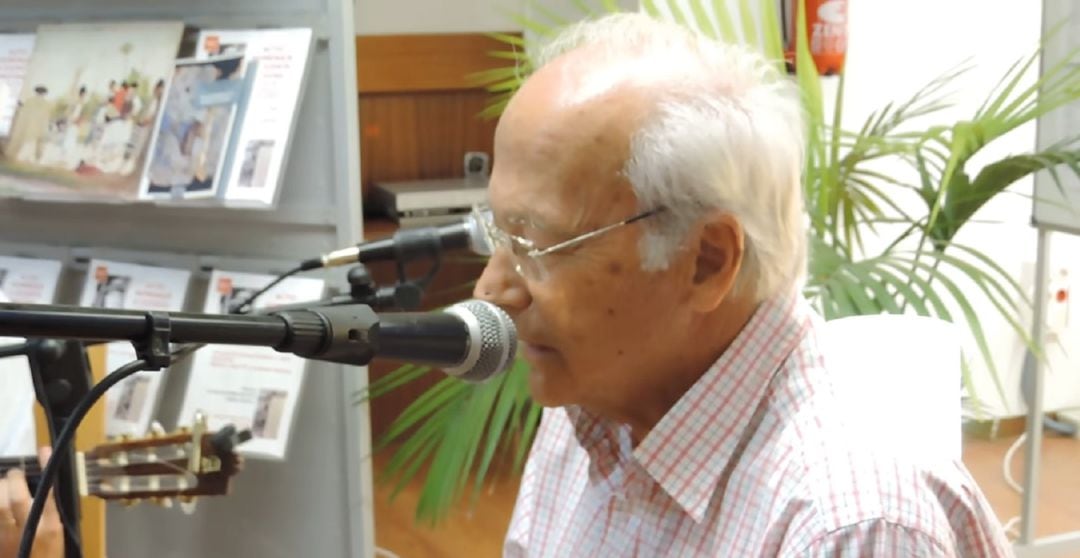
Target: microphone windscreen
{"x":492,"y":338}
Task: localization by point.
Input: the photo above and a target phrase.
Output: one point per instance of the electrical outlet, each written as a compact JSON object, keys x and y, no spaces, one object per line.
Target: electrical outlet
{"x":1057,"y":307}
{"x":1072,"y":417}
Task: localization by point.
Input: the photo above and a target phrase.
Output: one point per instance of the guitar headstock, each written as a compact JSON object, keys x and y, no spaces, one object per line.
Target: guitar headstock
{"x":162,"y":466}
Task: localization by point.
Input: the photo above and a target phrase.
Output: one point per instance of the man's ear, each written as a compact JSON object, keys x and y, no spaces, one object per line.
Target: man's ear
{"x":719,"y":259}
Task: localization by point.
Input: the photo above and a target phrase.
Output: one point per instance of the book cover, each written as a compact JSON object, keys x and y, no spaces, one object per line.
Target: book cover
{"x":264,"y":133}
{"x":87,"y":106}
{"x":194,"y":129}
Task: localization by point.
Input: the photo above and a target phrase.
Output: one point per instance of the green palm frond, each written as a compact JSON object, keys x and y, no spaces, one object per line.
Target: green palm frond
{"x":455,"y":430}
{"x":926,"y":283}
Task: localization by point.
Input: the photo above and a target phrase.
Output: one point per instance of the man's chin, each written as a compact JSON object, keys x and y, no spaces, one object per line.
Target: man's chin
{"x":545,"y":390}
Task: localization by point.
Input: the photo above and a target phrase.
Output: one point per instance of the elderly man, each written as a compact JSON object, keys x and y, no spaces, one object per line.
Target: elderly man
{"x":646,"y":208}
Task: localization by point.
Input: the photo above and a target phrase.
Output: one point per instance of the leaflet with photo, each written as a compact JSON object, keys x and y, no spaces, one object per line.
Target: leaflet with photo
{"x":129,"y":406}
{"x":264,"y":134}
{"x":249,"y":387}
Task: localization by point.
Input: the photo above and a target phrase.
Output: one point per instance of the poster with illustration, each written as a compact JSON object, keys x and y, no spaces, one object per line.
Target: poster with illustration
{"x":86,"y":110}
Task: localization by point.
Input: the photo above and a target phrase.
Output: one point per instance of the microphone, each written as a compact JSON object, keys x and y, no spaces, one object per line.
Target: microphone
{"x":472,"y":340}
{"x":407,"y":244}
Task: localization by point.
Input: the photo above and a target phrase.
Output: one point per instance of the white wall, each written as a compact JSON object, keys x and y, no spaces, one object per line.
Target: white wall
{"x":390,"y":17}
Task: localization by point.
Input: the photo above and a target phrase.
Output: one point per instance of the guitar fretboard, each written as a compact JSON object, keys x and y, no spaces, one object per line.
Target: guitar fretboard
{"x":28,"y":463}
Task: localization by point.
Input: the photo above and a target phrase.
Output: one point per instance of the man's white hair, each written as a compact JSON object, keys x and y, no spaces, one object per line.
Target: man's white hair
{"x":729,"y":137}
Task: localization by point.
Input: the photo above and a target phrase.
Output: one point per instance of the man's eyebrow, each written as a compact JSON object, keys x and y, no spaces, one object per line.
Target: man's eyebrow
{"x":517,"y":217}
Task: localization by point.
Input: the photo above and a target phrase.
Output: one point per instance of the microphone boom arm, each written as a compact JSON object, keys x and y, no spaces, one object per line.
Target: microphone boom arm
{"x":346,"y":334}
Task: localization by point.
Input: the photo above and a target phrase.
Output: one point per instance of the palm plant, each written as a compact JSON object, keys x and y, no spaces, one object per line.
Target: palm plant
{"x":458,"y":430}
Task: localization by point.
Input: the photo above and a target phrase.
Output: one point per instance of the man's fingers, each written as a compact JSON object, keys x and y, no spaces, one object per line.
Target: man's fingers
{"x":19,"y":494}
{"x":7,"y":517}
{"x":44,"y":452}
{"x":50,"y":516}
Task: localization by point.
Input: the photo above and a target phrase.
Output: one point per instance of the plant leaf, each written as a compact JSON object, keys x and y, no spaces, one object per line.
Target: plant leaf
{"x":749,"y":26}
{"x":773,"y":42}
{"x":702,"y":20}
{"x":724,"y":23}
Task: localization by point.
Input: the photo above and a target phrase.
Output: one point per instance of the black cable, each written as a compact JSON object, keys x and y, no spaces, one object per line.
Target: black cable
{"x":187,"y":350}
{"x":60,"y":445}
{"x":243,"y":307}
{"x":65,"y":519}
{"x":21,"y":349}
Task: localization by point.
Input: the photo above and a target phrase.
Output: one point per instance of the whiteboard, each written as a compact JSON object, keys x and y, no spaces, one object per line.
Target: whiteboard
{"x":1056,"y":204}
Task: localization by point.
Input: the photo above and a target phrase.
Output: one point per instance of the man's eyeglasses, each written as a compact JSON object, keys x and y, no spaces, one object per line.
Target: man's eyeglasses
{"x":525,"y":254}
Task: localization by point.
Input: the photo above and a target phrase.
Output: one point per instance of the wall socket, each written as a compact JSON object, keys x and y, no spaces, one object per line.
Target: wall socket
{"x":477,"y":164}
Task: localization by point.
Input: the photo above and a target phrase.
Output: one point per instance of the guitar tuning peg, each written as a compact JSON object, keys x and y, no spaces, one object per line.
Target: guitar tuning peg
{"x":164,"y":502}
{"x":156,"y":430}
{"x":187,"y":504}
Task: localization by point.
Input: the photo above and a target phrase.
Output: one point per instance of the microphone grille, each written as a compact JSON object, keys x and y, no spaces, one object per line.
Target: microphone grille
{"x":497,"y":338}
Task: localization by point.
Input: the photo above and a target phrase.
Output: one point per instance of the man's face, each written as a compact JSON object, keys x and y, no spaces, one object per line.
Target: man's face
{"x":595,"y":326}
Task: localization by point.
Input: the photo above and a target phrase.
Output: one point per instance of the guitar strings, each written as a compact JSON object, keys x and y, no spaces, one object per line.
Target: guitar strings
{"x":95,"y":474}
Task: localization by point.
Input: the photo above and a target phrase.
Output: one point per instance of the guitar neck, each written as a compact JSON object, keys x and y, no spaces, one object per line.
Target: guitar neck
{"x":28,"y":464}
{"x":186,"y":464}
{"x":140,"y":474}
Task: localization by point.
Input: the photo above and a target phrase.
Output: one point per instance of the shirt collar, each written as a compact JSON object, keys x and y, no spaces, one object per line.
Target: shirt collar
{"x":691,"y":446}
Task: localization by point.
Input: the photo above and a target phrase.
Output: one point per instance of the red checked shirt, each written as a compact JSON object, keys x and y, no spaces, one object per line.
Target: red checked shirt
{"x":752,"y":461}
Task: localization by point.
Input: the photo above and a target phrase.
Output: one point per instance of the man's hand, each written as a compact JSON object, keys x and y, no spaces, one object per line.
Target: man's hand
{"x":15,"y":499}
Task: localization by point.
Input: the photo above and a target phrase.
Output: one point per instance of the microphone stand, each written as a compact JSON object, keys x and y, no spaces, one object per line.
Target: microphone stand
{"x":346,"y":334}
{"x":61,"y":377}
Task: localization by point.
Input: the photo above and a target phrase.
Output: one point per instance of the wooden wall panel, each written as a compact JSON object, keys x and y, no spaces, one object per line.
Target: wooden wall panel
{"x":427,"y":62}
{"x":419,"y":114}
{"x":406,"y":136}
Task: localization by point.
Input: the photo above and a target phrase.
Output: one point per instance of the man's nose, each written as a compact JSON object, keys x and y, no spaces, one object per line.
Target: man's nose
{"x":501,"y":285}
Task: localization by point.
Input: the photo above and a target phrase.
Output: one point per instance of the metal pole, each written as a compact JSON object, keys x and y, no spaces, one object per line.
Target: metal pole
{"x":1035,"y":411}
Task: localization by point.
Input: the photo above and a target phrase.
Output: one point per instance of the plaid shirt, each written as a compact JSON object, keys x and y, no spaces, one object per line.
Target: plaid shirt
{"x":753,"y":460}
